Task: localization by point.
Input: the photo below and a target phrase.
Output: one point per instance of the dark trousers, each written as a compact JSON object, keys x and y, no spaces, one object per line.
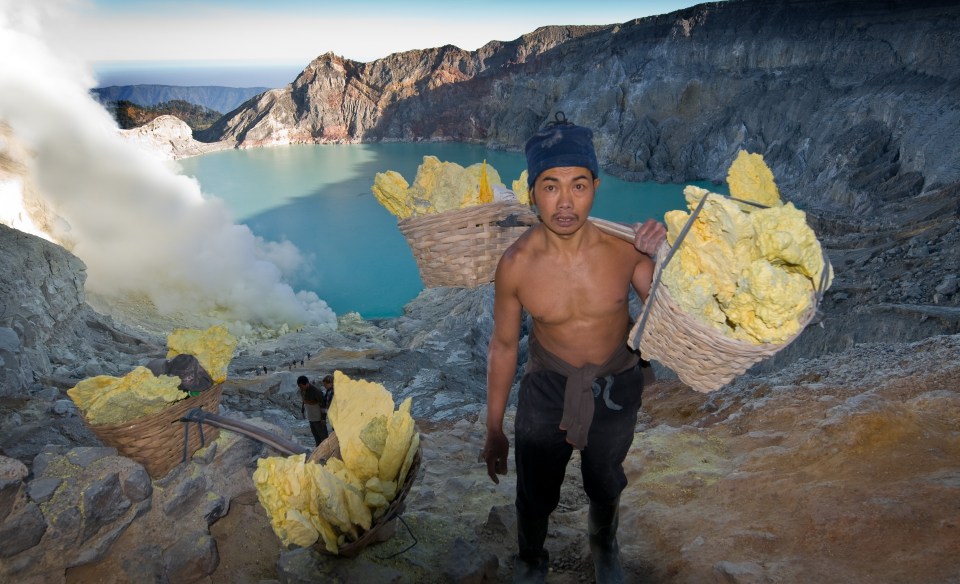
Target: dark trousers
{"x":319,"y":430}
{"x":542,"y":451}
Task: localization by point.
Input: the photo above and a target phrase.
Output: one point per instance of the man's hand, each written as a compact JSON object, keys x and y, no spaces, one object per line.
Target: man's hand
{"x":648,"y":236}
{"x":495,"y":452}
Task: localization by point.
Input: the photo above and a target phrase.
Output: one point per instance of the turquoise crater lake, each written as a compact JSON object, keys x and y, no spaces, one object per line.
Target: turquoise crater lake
{"x":318,"y":197}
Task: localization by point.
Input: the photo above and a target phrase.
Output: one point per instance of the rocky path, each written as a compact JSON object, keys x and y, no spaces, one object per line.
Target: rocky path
{"x":840,"y":469}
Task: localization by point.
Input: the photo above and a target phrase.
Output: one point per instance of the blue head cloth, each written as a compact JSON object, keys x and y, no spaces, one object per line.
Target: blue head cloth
{"x":560,"y":143}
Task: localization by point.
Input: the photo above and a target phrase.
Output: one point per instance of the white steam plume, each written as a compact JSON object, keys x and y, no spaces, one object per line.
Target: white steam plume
{"x":141,"y":228}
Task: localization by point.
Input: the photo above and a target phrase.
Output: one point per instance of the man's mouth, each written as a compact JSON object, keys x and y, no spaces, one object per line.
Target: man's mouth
{"x":565,"y":220}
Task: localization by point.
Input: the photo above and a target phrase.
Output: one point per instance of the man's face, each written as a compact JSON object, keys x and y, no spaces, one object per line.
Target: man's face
{"x":564,"y":196}
{"x":327,"y":384}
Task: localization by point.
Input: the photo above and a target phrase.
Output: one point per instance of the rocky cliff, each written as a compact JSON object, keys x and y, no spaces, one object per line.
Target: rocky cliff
{"x":852,"y":102}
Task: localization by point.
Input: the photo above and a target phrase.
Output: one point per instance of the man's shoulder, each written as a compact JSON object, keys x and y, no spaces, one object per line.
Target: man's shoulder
{"x":522,"y":248}
{"x":620,"y":247}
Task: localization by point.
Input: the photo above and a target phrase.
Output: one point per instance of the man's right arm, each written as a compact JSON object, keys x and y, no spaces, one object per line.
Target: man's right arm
{"x":501,"y":365}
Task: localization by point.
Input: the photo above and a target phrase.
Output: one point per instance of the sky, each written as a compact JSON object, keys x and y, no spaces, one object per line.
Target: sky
{"x":285,"y":35}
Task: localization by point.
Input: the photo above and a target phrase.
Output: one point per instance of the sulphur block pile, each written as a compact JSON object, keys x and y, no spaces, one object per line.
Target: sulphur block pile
{"x":441,"y":186}
{"x":749,"y":272}
{"x":112,"y":400}
{"x":337,"y":501}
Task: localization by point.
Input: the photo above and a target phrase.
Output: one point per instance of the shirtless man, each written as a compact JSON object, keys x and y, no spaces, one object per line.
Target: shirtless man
{"x":581,"y":384}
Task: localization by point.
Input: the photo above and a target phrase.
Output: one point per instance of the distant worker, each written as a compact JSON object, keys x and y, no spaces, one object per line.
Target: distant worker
{"x":313,"y":408}
{"x":582,"y":383}
{"x":327,"y":397}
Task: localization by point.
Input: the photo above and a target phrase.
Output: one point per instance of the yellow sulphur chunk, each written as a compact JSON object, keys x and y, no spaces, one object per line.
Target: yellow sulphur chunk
{"x":391,"y":190}
{"x":212,"y":347}
{"x":386,"y":488}
{"x":694,"y":293}
{"x":374,"y":435}
{"x":719,"y":243}
{"x":485,"y":194}
{"x":298,"y":530}
{"x":784,"y":238}
{"x":520,"y":188}
{"x":408,"y":461}
{"x":751,"y":179}
{"x":400,"y":433}
{"x":357,"y":403}
{"x":337,"y":501}
{"x":747,"y":272}
{"x":437,"y":187}
{"x":376,"y":502}
{"x":768,"y":303}
{"x":111,"y":400}
{"x":321,"y":501}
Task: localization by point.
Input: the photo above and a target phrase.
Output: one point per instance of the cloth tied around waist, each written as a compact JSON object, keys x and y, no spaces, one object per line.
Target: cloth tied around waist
{"x":578,"y":393}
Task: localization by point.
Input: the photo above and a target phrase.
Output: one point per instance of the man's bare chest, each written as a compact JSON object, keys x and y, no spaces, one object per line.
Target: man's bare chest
{"x":554,"y":294}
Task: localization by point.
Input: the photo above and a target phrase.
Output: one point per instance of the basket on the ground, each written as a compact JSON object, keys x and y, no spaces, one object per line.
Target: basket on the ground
{"x":462,"y":247}
{"x":157,"y":440}
{"x":381,"y":529}
{"x":701,"y":356}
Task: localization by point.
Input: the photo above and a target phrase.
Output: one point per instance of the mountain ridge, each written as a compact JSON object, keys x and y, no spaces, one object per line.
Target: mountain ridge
{"x":219,"y":98}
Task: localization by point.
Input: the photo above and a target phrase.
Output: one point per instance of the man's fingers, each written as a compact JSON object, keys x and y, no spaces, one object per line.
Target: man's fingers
{"x":492,"y":469}
{"x":495,"y":465}
{"x":649,"y":236}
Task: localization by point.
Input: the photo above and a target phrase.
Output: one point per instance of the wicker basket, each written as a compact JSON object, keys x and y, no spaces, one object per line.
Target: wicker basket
{"x":701,"y":356}
{"x":156,"y":440}
{"x":462,"y":247}
{"x":382,"y":528}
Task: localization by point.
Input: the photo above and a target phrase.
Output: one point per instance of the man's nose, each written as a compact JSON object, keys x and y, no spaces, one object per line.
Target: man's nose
{"x":565,"y":200}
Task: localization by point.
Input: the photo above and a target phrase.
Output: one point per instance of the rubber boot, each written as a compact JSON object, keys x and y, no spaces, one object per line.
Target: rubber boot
{"x":602,"y":523}
{"x":533,"y":561}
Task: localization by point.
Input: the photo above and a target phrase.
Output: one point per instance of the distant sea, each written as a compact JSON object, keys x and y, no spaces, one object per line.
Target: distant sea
{"x":230,"y":74}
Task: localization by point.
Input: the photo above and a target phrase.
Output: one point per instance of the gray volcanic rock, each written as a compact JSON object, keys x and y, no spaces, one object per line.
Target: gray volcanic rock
{"x":47,"y":331}
{"x":853,"y":104}
{"x":170,"y":136}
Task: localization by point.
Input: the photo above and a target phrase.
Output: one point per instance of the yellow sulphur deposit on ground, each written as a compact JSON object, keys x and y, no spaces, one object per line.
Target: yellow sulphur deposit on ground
{"x":338,"y":500}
